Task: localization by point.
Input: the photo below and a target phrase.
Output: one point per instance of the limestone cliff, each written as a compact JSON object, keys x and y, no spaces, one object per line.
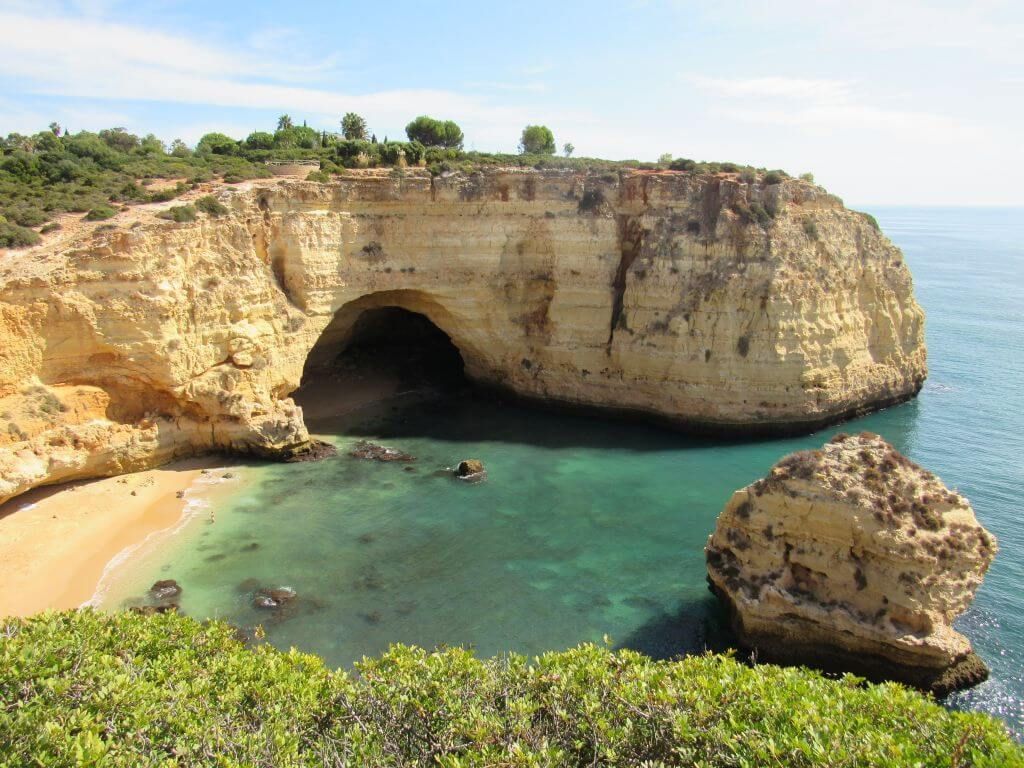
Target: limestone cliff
{"x":854,"y":558}
{"x":701,"y":300}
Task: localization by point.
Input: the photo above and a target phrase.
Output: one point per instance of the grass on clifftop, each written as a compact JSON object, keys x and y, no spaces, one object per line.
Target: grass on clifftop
{"x":89,"y":689}
{"x":94,"y":173}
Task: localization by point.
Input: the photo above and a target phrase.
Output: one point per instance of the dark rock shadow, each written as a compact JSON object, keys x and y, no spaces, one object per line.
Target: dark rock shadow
{"x":692,"y":628}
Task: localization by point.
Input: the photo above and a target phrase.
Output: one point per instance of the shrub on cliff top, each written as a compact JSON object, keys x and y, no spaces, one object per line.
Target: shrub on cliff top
{"x":537,"y":140}
{"x":87,"y":688}
{"x":15,"y":236}
{"x":210,"y":205}
{"x":179,"y":213}
{"x":100,"y":213}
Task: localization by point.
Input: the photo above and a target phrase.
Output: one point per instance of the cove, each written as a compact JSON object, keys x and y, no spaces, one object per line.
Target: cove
{"x":587,"y":527}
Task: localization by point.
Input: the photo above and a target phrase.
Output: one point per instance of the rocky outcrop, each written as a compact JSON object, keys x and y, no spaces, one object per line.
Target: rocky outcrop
{"x":700,"y":300}
{"x":470,"y":469}
{"x":853,"y":558}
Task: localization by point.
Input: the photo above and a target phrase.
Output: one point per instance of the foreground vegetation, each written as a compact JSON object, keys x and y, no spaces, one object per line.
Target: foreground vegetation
{"x":53,"y":171}
{"x":84,"y":688}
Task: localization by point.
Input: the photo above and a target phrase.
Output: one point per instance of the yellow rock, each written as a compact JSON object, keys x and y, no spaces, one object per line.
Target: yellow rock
{"x":853,"y":558}
{"x":655,"y":293}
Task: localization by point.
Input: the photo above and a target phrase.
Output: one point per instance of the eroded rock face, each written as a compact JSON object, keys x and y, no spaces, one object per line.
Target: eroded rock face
{"x":853,"y":558}
{"x":656,"y":293}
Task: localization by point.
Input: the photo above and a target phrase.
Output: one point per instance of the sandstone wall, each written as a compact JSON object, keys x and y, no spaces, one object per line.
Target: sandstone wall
{"x":854,"y":558}
{"x":652,"y":292}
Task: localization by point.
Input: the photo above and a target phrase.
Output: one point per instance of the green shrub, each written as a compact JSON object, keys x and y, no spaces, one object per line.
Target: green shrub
{"x":754,"y":212}
{"x":51,"y":227}
{"x":217,"y":144}
{"x":211,"y":205}
{"x":537,"y":140}
{"x":774,"y":177}
{"x":85,"y":688}
{"x":25,"y":215}
{"x":179,"y":213}
{"x":810,"y":228}
{"x":321,"y":176}
{"x":167,"y":194}
{"x":259,"y":140}
{"x":872,"y":221}
{"x":16,"y":236}
{"x":435,"y":133}
{"x":296,"y":137}
{"x":100,"y":213}
{"x":808,"y":177}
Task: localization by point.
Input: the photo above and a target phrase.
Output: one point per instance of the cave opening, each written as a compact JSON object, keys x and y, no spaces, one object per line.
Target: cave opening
{"x":382,"y":352}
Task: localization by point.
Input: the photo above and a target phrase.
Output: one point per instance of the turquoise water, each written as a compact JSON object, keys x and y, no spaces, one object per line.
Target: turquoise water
{"x":588,"y":529}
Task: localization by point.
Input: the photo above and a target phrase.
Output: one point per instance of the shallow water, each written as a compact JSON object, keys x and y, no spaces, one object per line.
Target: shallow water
{"x":586,"y":529}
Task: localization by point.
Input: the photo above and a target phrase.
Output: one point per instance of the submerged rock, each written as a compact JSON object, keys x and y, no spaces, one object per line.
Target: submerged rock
{"x":313,"y":450}
{"x":853,"y":558}
{"x":470,"y":469}
{"x":264,"y":601}
{"x":364,"y":449}
{"x":273,"y":597}
{"x":165,"y":589}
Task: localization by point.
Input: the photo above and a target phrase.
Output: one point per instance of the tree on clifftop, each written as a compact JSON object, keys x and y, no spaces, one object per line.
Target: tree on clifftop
{"x":537,"y":140}
{"x":568,"y":148}
{"x":353,"y":127}
{"x":435,"y":133}
{"x":216,"y":144}
{"x":260,"y":140}
{"x":284,"y":122}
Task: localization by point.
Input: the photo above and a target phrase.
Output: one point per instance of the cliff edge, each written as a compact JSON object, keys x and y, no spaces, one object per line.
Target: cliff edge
{"x":700,"y":300}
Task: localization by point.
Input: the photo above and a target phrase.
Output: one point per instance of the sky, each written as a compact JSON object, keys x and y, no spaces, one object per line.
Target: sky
{"x":885,"y":101}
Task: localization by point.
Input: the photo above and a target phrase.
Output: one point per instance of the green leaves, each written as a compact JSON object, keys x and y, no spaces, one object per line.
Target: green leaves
{"x":85,"y":688}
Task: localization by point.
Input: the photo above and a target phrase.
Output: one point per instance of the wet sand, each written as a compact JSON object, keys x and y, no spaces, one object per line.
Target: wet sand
{"x":57,"y":542}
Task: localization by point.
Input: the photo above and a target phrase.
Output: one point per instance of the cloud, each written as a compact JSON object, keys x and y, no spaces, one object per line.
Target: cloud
{"x":818,"y":105}
{"x":988,"y":28}
{"x":91,"y":58}
{"x":510,"y":87}
{"x":818,"y":91}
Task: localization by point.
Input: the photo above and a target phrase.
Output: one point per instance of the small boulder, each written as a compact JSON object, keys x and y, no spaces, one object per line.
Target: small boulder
{"x":470,"y":469}
{"x":313,"y":450}
{"x":165,"y":589}
{"x":273,"y":597}
{"x":364,"y":449}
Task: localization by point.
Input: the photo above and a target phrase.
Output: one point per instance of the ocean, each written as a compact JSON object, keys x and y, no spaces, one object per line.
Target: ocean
{"x":593,"y":530}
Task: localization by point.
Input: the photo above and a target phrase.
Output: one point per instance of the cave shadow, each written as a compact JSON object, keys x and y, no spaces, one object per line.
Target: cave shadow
{"x":691,"y":628}
{"x":424,"y":393}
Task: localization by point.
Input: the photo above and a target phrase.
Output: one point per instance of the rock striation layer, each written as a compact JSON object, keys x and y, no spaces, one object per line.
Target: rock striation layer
{"x":853,"y":558}
{"x":697,"y":299}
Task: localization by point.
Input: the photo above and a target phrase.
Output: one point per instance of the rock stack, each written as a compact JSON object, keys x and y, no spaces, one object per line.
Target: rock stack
{"x":853,"y":558}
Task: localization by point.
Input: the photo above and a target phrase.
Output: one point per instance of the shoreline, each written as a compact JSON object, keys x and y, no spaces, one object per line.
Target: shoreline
{"x":61,"y":544}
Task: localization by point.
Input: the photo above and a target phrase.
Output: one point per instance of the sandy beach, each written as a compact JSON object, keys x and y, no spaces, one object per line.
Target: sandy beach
{"x":56,"y":542}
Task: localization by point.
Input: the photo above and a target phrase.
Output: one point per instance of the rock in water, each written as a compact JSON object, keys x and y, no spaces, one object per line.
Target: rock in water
{"x":275,"y":597}
{"x":470,"y":469}
{"x":853,"y":558}
{"x":364,"y":449}
{"x":314,"y":450}
{"x":165,"y":589}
